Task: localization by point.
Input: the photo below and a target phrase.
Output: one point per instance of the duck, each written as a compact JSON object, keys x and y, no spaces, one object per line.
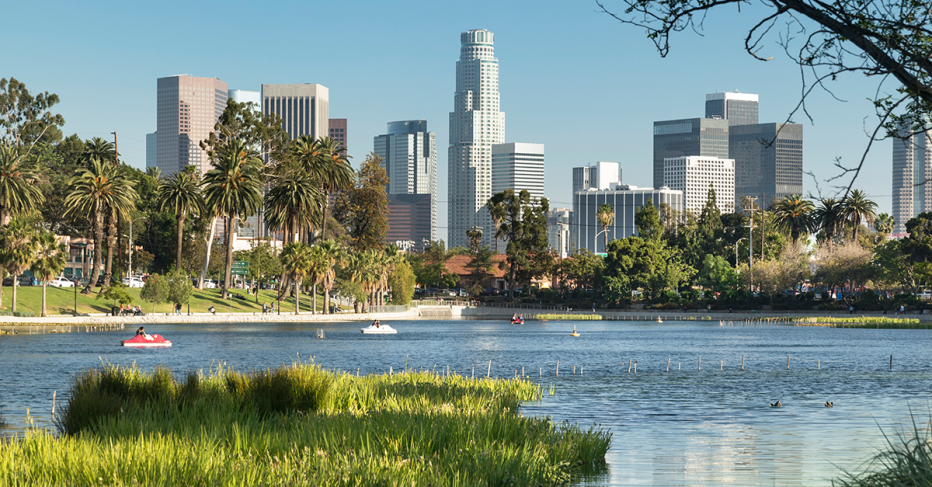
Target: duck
{"x":777,"y":404}
{"x":829,"y":404}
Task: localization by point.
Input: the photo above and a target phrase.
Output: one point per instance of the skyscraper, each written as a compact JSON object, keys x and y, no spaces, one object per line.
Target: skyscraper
{"x":585,"y":230}
{"x":304,"y":108}
{"x":518,"y":166}
{"x":338,"y":130}
{"x":693,"y":175}
{"x":246,"y":96}
{"x":688,"y":137}
{"x":187,"y":109}
{"x":409,"y":156}
{"x":737,"y":108}
{"x":768,"y":160}
{"x":912,"y":166}
{"x":152,"y":151}
{"x":475,"y":124}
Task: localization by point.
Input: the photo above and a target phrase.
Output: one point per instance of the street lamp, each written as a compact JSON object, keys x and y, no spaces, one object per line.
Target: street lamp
{"x":595,"y":241}
{"x":736,"y":250}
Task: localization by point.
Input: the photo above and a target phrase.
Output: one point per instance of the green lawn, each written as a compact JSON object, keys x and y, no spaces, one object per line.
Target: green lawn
{"x":61,"y":301}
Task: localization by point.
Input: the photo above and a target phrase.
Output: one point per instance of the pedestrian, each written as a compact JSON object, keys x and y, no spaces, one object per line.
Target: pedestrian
{"x":177,"y":308}
{"x":273,"y":308}
{"x":850,"y":310}
{"x":265,"y":308}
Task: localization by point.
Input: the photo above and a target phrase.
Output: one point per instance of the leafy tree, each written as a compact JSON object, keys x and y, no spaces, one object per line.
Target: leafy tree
{"x":524,"y":227}
{"x":19,"y":192}
{"x":117,"y":294}
{"x":884,"y":224}
{"x":49,"y":261}
{"x":17,"y":250}
{"x":100,"y":149}
{"x":633,"y":263}
{"x":155,"y":290}
{"x":894,"y":266}
{"x":334,"y":256}
{"x":232,"y":187}
{"x":25,"y":119}
{"x":363,"y":208}
{"x":497,"y":200}
{"x":857,"y":207}
{"x":794,"y":215}
{"x":297,"y":260}
{"x":605,"y":215}
{"x":364,"y":270}
{"x":583,"y":268}
{"x":840,"y":264}
{"x":401,"y":283}
{"x":244,"y":123}
{"x":782,"y":273}
{"x":718,"y":274}
{"x":181,"y":194}
{"x":710,"y":219}
{"x":116,"y":210}
{"x":334,"y":173}
{"x":263,"y":261}
{"x":180,"y":288}
{"x":647,"y":221}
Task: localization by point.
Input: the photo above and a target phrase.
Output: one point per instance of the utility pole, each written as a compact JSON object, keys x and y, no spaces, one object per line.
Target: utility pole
{"x":763,"y":199}
{"x":116,"y":163}
{"x":751,"y":246}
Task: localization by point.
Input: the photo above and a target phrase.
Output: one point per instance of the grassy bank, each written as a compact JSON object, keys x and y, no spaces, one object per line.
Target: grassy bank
{"x":860,"y":322}
{"x":565,"y":317}
{"x":299,"y":425}
{"x":62,"y":301}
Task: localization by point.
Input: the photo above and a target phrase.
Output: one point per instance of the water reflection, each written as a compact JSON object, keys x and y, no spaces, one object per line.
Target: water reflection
{"x":685,"y":427}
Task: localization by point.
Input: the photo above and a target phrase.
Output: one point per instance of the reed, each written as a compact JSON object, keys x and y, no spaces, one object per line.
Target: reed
{"x":565,"y":317}
{"x":410,"y":428}
{"x":905,"y":461}
{"x":860,"y":322}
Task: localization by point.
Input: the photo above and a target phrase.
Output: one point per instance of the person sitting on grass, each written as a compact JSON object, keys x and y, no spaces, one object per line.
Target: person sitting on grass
{"x":212,"y":310}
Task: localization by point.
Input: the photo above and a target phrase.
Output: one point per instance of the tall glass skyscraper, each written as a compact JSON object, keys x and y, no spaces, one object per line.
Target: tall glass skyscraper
{"x":912,"y":167}
{"x":475,"y":124}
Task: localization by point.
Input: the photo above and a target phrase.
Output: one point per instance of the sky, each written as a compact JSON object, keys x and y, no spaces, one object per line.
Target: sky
{"x":571,"y":77}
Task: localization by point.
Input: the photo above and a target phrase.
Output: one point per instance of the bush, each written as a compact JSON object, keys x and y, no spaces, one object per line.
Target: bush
{"x":24,"y":314}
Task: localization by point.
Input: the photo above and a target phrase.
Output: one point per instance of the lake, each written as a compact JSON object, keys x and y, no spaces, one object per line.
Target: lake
{"x":686,"y":427}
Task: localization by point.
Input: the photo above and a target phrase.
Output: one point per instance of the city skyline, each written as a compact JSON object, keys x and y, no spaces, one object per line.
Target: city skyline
{"x":602,"y":103}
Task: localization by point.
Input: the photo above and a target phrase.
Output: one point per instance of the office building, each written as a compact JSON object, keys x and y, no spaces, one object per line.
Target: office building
{"x":768,"y":160}
{"x":688,"y":137}
{"x":694,"y":175}
{"x":152,"y":151}
{"x":338,"y":130}
{"x":476,"y":123}
{"x":737,"y":108}
{"x":587,"y":232}
{"x":187,"y":107}
{"x":409,"y":156}
{"x":601,"y":175}
{"x":303,"y":108}
{"x":246,"y":96}
{"x":518,"y":166}
{"x":558,"y":231}
{"x":411,"y":221}
{"x":912,"y":167}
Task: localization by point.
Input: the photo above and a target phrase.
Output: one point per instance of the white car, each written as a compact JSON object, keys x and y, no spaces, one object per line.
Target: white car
{"x":133,"y":282}
{"x":209,"y":284}
{"x":61,"y":282}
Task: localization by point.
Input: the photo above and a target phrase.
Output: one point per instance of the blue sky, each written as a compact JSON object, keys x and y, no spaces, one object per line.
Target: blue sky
{"x":570,"y":77}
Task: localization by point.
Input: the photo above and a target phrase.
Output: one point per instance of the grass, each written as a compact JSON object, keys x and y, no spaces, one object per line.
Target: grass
{"x":566,"y":317}
{"x":61,"y":301}
{"x":299,"y":425}
{"x":860,"y":322}
{"x":906,"y":461}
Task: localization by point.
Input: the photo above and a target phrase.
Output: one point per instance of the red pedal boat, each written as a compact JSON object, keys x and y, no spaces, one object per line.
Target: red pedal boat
{"x":146,"y":341}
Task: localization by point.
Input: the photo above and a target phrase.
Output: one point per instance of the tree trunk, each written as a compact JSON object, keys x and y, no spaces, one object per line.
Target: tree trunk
{"x":326,"y":300}
{"x":111,"y":246}
{"x":323,"y":222}
{"x":44,"y":313}
{"x":314,"y":293}
{"x":180,"y":233}
{"x":210,"y":243}
{"x":98,"y":253}
{"x":297,"y":298}
{"x":231,"y":226}
{"x":15,"y":285}
{"x":511,"y":283}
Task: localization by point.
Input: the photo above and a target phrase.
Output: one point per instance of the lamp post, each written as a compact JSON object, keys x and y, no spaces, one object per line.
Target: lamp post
{"x":132,"y":248}
{"x":736,"y":250}
{"x":595,"y":241}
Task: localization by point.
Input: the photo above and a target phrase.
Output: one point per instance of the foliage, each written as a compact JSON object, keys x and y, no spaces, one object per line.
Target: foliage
{"x":363,"y":208}
{"x":263,"y":261}
{"x":783,"y":273}
{"x":793,"y":214}
{"x":19,"y":192}
{"x":117,"y":294}
{"x":180,"y":287}
{"x":605,"y":215}
{"x":841,"y":264}
{"x":297,"y":261}
{"x":647,"y":221}
{"x":633,"y":263}
{"x":401,"y":282}
{"x":25,"y":119}
{"x":717,"y":274}
{"x":156,"y":290}
{"x":523,"y":225}
{"x":582,"y":269}
{"x":180,"y":194}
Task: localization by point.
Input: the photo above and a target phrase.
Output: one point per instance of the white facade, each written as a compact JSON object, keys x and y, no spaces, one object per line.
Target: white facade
{"x":409,"y":156}
{"x":604,"y":174}
{"x":558,"y":231}
{"x":518,"y":166}
{"x":304,"y":108}
{"x":693,"y":174}
{"x":475,"y":124}
{"x":587,"y":232}
{"x":246,"y":96}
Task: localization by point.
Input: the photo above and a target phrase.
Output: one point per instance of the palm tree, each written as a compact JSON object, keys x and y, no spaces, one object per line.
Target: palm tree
{"x":93,"y":191}
{"x":857,"y":208}
{"x":364,"y":269}
{"x":49,"y":261}
{"x":292,"y":202}
{"x":494,"y":204}
{"x":335,"y":173}
{"x":233,"y":188}
{"x":116,"y":210}
{"x":181,"y":195}
{"x":884,"y":223}
{"x":316,"y":272}
{"x":333,"y":256}
{"x":17,"y":250}
{"x":100,"y":149}
{"x":828,"y":216}
{"x":297,"y":260}
{"x":19,"y":192}
{"x":605,"y":216}
{"x":793,"y":214}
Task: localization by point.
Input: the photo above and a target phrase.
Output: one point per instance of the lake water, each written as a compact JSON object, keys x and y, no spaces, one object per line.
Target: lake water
{"x":686,"y":427}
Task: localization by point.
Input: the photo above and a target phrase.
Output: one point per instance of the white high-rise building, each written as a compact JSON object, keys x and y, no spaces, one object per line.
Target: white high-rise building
{"x":518,"y":166}
{"x":694,"y":174}
{"x":558,"y":231}
{"x":304,"y":108}
{"x":409,"y":156}
{"x":586,"y":232}
{"x":912,"y":167}
{"x":476,"y":123}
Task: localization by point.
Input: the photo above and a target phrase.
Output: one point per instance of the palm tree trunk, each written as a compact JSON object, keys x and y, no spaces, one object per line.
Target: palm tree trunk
{"x":15,"y":285}
{"x":326,"y":300}
{"x":98,"y":252}
{"x":314,"y":293}
{"x":297,"y":298}
{"x":180,"y":233}
{"x":44,"y":313}
{"x":227,"y":274}
{"x":210,"y":243}
{"x":111,"y":247}
{"x":323,"y":222}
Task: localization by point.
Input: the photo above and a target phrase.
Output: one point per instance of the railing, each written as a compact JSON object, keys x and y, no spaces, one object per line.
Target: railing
{"x":388,"y":308}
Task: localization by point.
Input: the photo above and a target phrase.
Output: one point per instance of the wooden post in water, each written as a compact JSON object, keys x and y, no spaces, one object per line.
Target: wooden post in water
{"x":700,"y":363}
{"x":53,"y":404}
{"x":635,"y":366}
{"x":473,"y":372}
{"x":722,"y":365}
{"x":558,"y":368}
{"x":540,"y":373}
{"x":668,"y":364}
{"x":629,"y":366}
{"x":742,"y":362}
{"x":787,"y":362}
{"x":522,"y":372}
{"x":679,"y":366}
{"x":891,"y":361}
{"x":390,"y":371}
{"x":574,"y":370}
{"x":580,"y":369}
{"x":820,"y":365}
{"x":487,"y":374}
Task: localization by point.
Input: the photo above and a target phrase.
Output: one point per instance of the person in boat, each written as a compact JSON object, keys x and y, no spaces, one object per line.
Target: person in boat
{"x":376,"y":324}
{"x":141,"y":331}
{"x":514,"y":317}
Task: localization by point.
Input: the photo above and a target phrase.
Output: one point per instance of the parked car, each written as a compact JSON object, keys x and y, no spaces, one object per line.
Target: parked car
{"x":490,"y":292}
{"x":132,"y":282}
{"x":451,"y":292}
{"x":61,"y":282}
{"x":210,"y":284}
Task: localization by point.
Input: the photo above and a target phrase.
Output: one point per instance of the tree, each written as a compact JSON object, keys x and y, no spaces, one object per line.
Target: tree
{"x":292,"y":203}
{"x":49,"y":261}
{"x":583,"y":268}
{"x":857,"y":207}
{"x":634,"y":263}
{"x":605,"y":215}
{"x":232,"y":188}
{"x":335,"y":173}
{"x":180,"y":288}
{"x":116,"y":294}
{"x":263,"y":261}
{"x":841,"y":264}
{"x":401,"y":282}
{"x":363,"y":269}
{"x":297,"y":259}
{"x":710,"y":219}
{"x":884,"y":224}
{"x":794,"y":215}
{"x":334,"y":256}
{"x":717,"y":274}
{"x":19,"y":191}
{"x":789,"y":269}
{"x":180,"y":194}
{"x":828,"y":216}
{"x":497,"y":200}
{"x":881,"y":39}
{"x":363,"y":208}
{"x":117,"y":210}
{"x":100,"y":149}
{"x":155,"y":290}
{"x":92,"y":191}
{"x":25,"y":119}
{"x":524,"y":228}
{"x":647,"y":221}
{"x":17,"y":250}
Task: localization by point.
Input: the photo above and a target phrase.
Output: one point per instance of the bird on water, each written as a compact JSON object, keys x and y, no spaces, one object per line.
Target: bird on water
{"x":776,"y":404}
{"x":829,"y":404}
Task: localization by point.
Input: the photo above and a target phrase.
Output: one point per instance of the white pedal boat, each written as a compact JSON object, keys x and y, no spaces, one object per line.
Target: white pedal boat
{"x":379,"y":330}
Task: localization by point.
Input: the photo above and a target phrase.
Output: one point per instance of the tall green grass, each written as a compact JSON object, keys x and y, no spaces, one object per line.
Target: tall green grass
{"x":566,"y":317}
{"x":300,"y":425}
{"x":860,"y":322}
{"x":906,"y":461}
